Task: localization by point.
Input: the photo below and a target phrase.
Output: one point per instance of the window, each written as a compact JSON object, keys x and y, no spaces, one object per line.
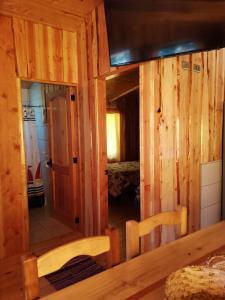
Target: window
{"x":113,"y":136}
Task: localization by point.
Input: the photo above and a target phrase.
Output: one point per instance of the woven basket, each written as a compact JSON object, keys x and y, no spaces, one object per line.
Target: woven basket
{"x":196,"y":283}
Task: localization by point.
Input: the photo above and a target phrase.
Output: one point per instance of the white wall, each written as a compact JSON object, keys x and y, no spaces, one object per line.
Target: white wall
{"x":37,"y":99}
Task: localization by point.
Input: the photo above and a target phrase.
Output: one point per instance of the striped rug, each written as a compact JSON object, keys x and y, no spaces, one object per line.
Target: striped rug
{"x":74,"y":271}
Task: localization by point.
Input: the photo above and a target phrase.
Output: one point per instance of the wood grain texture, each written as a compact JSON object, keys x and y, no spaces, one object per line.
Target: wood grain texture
{"x":30,"y":277}
{"x":135,"y":230}
{"x":177,"y":110}
{"x":45,"y":53}
{"x":195,"y":143}
{"x":43,"y":12}
{"x":13,"y":199}
{"x":64,"y":14}
{"x":56,"y":258}
{"x":85,"y":135}
{"x":99,"y":50}
{"x":62,"y":119}
{"x":139,"y":276}
{"x":102,"y":178}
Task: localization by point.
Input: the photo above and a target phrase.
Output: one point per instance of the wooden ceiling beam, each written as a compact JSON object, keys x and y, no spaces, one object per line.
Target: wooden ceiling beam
{"x":66,"y":14}
{"x":74,"y":7}
{"x":124,"y":94}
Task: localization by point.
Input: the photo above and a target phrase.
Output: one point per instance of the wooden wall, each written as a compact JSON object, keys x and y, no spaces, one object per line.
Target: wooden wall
{"x":13,"y":207}
{"x":45,"y":53}
{"x":180,"y":122}
{"x":42,"y":53}
{"x":67,"y":14}
{"x":181,"y":112}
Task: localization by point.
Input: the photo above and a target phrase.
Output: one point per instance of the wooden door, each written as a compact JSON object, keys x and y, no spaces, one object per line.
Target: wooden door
{"x":63,"y":137}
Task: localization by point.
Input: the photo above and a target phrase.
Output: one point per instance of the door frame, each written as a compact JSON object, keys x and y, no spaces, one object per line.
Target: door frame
{"x":101,"y":150}
{"x":80,"y":206}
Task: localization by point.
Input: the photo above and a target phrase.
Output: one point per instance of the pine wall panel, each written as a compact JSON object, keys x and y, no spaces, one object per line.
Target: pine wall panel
{"x":181,"y":109}
{"x":181,"y":127}
{"x":45,"y":53}
{"x":13,"y":204}
{"x":41,"y":53}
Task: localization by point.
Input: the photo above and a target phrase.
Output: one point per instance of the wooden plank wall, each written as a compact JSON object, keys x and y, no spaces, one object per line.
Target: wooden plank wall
{"x":45,"y":53}
{"x":181,"y":127}
{"x":37,"y":52}
{"x":53,"y":13}
{"x":13,"y":204}
{"x":98,"y":45}
{"x":181,"y":123}
{"x":67,"y":14}
{"x":87,"y":183}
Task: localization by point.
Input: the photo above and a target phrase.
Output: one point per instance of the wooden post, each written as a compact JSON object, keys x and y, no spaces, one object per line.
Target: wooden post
{"x":183,"y":223}
{"x":113,"y":256}
{"x":30,"y":277}
{"x":132,"y":239}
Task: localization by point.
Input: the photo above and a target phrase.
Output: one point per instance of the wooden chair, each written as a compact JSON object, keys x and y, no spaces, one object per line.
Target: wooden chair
{"x":36,"y":267}
{"x":135,"y":230}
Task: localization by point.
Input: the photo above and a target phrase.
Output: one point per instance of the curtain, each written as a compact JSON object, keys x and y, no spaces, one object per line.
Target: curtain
{"x":113,"y":136}
{"x":34,"y":181}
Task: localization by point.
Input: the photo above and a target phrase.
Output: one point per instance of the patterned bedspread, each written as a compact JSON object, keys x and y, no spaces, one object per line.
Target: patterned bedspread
{"x":121,"y":175}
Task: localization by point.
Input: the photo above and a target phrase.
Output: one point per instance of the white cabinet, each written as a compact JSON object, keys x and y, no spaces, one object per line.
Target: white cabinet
{"x":211,"y":182}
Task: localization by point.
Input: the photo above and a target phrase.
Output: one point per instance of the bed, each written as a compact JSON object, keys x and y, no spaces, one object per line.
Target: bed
{"x":121,"y":176}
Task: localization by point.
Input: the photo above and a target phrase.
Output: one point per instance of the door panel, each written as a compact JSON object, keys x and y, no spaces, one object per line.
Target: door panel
{"x":63,"y":147}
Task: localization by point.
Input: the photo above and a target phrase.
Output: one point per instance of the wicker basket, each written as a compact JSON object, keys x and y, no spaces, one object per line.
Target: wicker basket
{"x":196,"y":283}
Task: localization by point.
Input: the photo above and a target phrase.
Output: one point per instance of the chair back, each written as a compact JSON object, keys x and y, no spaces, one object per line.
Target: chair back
{"x":36,"y":267}
{"x":135,"y":230}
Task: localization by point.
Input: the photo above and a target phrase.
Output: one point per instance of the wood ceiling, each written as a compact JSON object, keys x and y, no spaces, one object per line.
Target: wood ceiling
{"x":66,"y":14}
{"x":121,"y":85}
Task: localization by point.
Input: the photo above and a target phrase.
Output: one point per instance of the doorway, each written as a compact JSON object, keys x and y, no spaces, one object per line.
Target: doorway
{"x":123,"y":150}
{"x":51,"y":151}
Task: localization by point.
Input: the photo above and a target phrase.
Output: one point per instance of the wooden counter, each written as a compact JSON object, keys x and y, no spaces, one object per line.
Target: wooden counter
{"x":143,"y":277}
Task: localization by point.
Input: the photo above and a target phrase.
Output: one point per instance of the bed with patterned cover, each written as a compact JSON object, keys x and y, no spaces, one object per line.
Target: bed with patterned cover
{"x":122,"y":175}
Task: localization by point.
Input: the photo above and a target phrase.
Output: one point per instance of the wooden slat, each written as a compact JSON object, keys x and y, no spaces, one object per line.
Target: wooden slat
{"x":220,"y":83}
{"x":47,"y":263}
{"x":183,"y":108}
{"x":150,"y":99}
{"x":102,"y":178}
{"x":45,"y":53}
{"x":57,"y":54}
{"x":167,"y":218}
{"x":195,"y":143}
{"x":38,"y":12}
{"x":98,"y":44}
{"x":135,"y":230}
{"x":30,"y":47}
{"x":74,"y":7}
{"x":21,"y":53}
{"x":205,"y":124}
{"x":30,"y":277}
{"x":168,"y":145}
{"x":39,"y":66}
{"x":85,"y":132}
{"x":212,"y":94}
{"x":103,"y":49}
{"x":70,"y":56}
{"x":13,"y":200}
